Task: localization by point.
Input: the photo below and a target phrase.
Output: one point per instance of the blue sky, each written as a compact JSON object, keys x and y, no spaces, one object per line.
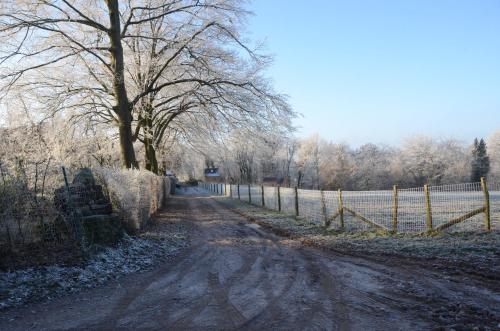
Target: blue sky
{"x":380,"y":71}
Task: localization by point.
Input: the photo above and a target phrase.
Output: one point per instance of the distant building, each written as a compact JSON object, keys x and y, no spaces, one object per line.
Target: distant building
{"x":212,"y":175}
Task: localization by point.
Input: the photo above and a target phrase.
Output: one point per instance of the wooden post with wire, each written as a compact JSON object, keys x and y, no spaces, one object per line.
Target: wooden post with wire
{"x":262,"y":191}
{"x":341,"y":210}
{"x":249,"y":194}
{"x":239,"y":197}
{"x":487,"y":215}
{"x":279,"y":199}
{"x":296,"y":201}
{"x":395,"y":209}
{"x":428,"y":208}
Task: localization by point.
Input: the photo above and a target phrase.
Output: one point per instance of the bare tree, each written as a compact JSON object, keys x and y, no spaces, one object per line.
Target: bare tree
{"x":185,"y":76}
{"x":78,"y":55}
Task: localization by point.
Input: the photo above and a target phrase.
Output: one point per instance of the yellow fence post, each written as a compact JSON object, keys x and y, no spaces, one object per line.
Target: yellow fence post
{"x":487,"y":219}
{"x":341,"y":210}
{"x":428,"y":207}
{"x":395,"y":209}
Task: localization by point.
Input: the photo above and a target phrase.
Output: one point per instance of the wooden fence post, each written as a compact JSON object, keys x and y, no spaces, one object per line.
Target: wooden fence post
{"x":487,"y":216}
{"x":225,"y":189}
{"x":395,"y":209}
{"x":249,"y":194}
{"x":428,"y":207}
{"x":341,"y":210}
{"x":230,"y":191}
{"x":323,"y":210}
{"x":239,"y":197}
{"x":263,"y":201}
{"x":296,"y":201}
{"x":279,"y":200}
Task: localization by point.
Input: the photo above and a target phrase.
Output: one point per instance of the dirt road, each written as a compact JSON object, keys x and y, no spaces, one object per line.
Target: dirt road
{"x":235,"y":275}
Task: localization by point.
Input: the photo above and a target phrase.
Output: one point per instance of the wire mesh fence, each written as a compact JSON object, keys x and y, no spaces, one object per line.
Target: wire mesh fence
{"x":271,"y":197}
{"x":458,"y":207}
{"x":256,"y":195}
{"x":494,"y":193}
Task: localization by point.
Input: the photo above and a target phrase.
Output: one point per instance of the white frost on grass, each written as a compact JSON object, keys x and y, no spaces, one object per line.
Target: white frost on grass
{"x":132,"y":254}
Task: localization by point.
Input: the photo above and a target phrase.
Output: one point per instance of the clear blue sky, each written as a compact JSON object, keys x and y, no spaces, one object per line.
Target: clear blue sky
{"x":379,"y":71}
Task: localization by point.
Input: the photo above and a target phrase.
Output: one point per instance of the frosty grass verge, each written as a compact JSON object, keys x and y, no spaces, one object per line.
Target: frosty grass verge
{"x":474,"y":251}
{"x":132,"y":254}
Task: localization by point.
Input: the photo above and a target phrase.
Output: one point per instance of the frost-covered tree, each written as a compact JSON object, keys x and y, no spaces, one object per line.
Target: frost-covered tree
{"x":421,"y":162}
{"x":308,"y":162}
{"x":493,"y":143}
{"x":336,"y":166}
{"x":480,"y":162}
{"x":69,"y":55}
{"x":196,"y":68}
{"x":136,"y":65}
{"x":372,"y":167}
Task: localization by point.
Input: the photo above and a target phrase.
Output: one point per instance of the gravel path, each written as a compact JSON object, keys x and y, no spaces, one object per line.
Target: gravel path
{"x":236,"y":275}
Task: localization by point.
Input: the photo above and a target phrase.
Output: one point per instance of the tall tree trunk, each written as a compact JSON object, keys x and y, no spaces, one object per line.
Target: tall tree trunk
{"x":150,"y":154}
{"x":122,"y":105}
{"x":149,"y":140}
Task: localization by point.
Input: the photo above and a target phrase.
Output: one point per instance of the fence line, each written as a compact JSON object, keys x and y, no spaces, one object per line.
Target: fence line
{"x":457,"y":207}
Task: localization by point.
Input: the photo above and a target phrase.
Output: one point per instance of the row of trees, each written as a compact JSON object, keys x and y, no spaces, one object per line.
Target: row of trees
{"x":317,"y":163}
{"x":150,"y":73}
{"x":170,"y":84}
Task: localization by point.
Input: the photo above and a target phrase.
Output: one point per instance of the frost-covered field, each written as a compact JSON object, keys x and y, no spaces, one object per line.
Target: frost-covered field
{"x":132,"y":254}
